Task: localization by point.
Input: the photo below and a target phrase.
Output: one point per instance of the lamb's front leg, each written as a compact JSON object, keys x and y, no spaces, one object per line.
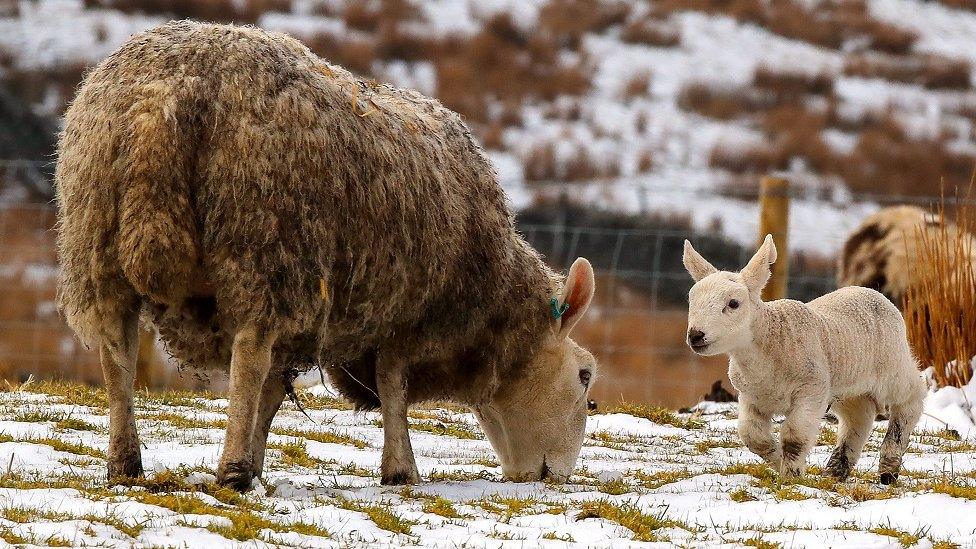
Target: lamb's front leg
{"x":756,"y":432}
{"x":397,"y":465}
{"x":799,"y":432}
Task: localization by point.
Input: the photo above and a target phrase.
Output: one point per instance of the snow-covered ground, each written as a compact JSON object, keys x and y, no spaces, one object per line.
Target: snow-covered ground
{"x":682,"y":480}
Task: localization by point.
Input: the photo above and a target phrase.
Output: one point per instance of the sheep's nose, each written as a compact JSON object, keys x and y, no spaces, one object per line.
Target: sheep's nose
{"x":696,"y":337}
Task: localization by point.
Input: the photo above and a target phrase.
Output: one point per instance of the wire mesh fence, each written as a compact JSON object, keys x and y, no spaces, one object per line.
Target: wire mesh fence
{"x":636,"y":326}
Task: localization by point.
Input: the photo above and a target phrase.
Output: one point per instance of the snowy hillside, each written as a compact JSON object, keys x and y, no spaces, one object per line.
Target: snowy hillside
{"x":673,"y":105}
{"x":665,"y":477}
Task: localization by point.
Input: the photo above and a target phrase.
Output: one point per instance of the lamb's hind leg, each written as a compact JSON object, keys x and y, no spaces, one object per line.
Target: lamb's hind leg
{"x":903,"y":418}
{"x":856,"y":419}
{"x":118,"y":351}
{"x":249,"y":366}
{"x":398,"y":465}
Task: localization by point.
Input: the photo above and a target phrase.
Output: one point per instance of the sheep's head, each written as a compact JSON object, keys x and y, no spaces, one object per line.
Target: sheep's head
{"x":536,"y":422}
{"x":722,"y":304}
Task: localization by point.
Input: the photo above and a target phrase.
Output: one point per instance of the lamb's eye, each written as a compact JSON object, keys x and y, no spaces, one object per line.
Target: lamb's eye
{"x":733,"y":304}
{"x":585,"y":376}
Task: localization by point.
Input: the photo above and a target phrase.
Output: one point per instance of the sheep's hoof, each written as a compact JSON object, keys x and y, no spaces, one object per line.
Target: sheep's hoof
{"x":400,"y":478}
{"x":888,"y":478}
{"x":127,"y":468}
{"x":237,"y":475}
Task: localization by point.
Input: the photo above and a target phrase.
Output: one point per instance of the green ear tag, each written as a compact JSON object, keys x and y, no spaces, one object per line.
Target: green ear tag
{"x":557,"y":309}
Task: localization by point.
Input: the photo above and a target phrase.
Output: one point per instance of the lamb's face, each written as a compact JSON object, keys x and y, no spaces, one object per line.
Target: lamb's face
{"x":719,"y":314}
{"x":721,"y":305}
{"x":536,"y":423}
{"x":536,"y":420}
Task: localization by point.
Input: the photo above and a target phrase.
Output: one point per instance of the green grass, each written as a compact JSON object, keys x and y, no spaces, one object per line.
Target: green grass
{"x":381,"y":514}
{"x":327,"y":437}
{"x":643,"y":526}
{"x":658,"y":415}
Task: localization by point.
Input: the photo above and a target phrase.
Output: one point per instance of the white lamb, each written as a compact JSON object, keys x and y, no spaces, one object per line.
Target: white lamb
{"x":847,"y":350}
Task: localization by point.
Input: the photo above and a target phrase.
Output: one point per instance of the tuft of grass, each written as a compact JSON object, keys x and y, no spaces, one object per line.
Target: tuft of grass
{"x":567,"y":538}
{"x":905,"y":539}
{"x":950,"y":488}
{"x":643,"y":526}
{"x":741,"y":495}
{"x":658,"y":479}
{"x":662,"y":416}
{"x":295,"y":453}
{"x":381,"y":514}
{"x":8,"y":535}
{"x":727,"y":441}
{"x":615,"y":487}
{"x":758,"y":542}
{"x":61,"y":420}
{"x":184,"y":421}
{"x":327,"y":437}
{"x":440,"y":506}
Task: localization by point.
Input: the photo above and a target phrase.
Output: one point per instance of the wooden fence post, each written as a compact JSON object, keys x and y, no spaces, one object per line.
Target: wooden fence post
{"x":774,"y":210}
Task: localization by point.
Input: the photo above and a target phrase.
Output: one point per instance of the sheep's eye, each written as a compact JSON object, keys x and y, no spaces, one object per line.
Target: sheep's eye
{"x":585,"y":376}
{"x":734,"y":304}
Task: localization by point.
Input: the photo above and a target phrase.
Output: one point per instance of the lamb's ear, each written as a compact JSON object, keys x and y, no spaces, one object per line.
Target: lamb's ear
{"x":574,"y":298}
{"x":756,"y":273}
{"x":698,"y":267}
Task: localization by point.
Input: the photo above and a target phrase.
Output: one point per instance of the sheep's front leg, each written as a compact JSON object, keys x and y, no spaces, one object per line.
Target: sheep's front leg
{"x":799,"y":433}
{"x":249,"y":366}
{"x":398,"y":465}
{"x":118,"y":350}
{"x":756,"y":432}
{"x":272,"y":396}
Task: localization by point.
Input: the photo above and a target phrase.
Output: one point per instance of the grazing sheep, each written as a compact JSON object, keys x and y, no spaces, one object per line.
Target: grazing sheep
{"x":268,"y":211}
{"x":847,"y":350}
{"x":878,"y":254}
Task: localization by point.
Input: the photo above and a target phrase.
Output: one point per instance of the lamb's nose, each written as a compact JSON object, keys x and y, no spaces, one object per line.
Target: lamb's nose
{"x":696,"y":337}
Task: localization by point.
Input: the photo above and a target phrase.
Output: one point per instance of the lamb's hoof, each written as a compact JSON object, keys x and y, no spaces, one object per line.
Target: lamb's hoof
{"x":840,"y":475}
{"x":121,"y":469}
{"x":399,"y":478}
{"x":888,"y":478}
{"x":236,"y":475}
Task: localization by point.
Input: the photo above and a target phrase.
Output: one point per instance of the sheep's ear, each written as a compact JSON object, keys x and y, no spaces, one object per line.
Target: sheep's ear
{"x":756,"y":273}
{"x":577,"y":294}
{"x":698,"y":267}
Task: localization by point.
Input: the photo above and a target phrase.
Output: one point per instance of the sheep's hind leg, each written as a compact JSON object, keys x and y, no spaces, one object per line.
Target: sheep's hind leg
{"x":903,"y":418}
{"x":856,"y":419}
{"x":271,"y":398}
{"x":249,"y":366}
{"x":398,"y":465}
{"x":118,"y":352}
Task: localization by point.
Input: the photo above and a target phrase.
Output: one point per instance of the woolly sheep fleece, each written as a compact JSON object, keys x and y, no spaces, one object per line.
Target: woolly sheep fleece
{"x":877,"y":255}
{"x":255,"y":183}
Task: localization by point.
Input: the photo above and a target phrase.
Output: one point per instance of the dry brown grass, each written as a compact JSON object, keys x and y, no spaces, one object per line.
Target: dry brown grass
{"x":246,"y":11}
{"x":887,"y":159}
{"x":792,"y":85}
{"x":940,"y":304}
{"x":930,"y":71}
{"x":830,"y":24}
{"x":651,"y":32}
{"x":639,"y":85}
{"x":720,"y":103}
